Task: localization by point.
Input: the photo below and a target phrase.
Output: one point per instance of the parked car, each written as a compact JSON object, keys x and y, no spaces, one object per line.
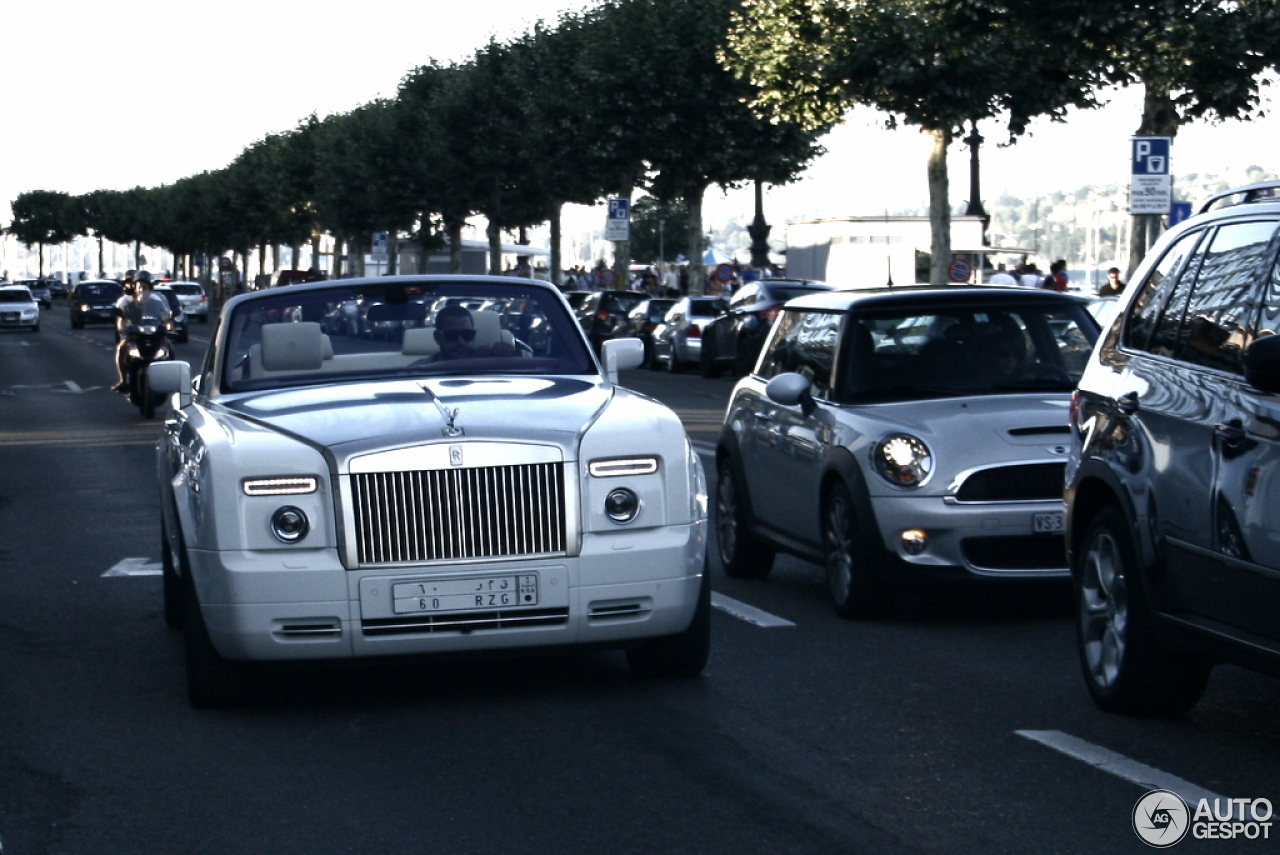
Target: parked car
{"x":1173,"y":491}
{"x":178,"y":316}
{"x":602,"y":312}
{"x":677,"y":342}
{"x":94,"y":302}
{"x":733,"y":341}
{"x":194,"y":301}
{"x":18,"y":308}
{"x":39,"y":289}
{"x":641,"y":321}
{"x":454,"y":492}
{"x":896,"y":435}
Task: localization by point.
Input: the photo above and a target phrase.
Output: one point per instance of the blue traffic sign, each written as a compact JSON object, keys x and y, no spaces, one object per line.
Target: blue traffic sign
{"x":1151,"y":155}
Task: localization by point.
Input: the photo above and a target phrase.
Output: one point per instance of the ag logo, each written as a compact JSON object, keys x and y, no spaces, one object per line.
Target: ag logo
{"x":1161,"y":819}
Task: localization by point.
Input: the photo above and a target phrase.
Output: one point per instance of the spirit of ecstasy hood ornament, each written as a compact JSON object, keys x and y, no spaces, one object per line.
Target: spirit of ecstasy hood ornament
{"x":450,"y":416}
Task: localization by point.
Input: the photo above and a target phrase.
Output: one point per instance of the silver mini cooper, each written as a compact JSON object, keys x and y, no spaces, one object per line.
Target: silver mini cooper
{"x":898,"y":433}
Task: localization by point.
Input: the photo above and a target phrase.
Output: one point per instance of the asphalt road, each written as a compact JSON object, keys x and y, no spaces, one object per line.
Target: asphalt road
{"x":933,"y":730}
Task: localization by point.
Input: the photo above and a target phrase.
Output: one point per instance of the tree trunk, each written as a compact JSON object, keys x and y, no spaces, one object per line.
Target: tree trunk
{"x":695,"y":239}
{"x":454,"y":228}
{"x":939,"y":208}
{"x":557,"y":263}
{"x":494,"y":233}
{"x":393,"y":252}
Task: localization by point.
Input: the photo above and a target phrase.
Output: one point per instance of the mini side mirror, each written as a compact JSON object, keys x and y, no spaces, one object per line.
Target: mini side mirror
{"x":171,"y":378}
{"x":790,"y":389}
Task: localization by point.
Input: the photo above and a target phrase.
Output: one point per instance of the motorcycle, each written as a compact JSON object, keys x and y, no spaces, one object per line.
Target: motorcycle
{"x":146,"y":342}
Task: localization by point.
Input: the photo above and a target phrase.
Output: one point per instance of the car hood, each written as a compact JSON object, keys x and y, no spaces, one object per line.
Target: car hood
{"x":1034,"y":422}
{"x":361,"y":417}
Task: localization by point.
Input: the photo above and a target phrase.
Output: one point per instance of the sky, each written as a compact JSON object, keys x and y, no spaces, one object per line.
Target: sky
{"x":121,"y":94}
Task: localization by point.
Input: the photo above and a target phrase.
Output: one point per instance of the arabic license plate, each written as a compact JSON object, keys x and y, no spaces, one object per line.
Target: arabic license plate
{"x":1050,"y":523}
{"x":461,"y":595}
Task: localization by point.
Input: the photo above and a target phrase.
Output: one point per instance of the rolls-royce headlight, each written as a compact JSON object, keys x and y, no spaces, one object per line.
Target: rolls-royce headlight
{"x":902,"y":460}
{"x":621,"y":505}
{"x":617,"y":466}
{"x":290,"y":524}
{"x":283,"y":486}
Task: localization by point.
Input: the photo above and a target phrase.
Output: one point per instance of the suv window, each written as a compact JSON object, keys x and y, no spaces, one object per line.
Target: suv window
{"x":1157,"y":311}
{"x":1222,"y":305}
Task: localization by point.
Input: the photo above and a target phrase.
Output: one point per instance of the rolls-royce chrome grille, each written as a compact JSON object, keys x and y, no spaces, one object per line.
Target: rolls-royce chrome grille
{"x":459,"y":514}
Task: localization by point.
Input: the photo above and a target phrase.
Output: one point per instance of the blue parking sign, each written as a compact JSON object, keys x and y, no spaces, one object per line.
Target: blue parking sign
{"x":1151,"y":155}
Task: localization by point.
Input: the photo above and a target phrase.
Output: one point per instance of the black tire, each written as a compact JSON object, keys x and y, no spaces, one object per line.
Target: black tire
{"x":673,"y":363}
{"x":742,"y":555}
{"x":1126,"y":667}
{"x":173,"y":559}
{"x":678,"y":657}
{"x":743,"y":362}
{"x":212,"y":682}
{"x":76,"y":323}
{"x":36,"y":328}
{"x":147,"y":398}
{"x":654,"y":364}
{"x":855,"y":590}
{"x":707,"y":362}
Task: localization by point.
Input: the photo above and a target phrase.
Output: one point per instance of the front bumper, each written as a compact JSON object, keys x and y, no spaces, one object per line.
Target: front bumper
{"x":292,"y":605}
{"x":15,"y":320}
{"x":989,"y":540}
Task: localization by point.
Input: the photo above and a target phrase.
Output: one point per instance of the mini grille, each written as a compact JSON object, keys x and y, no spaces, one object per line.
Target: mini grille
{"x":1031,"y":482}
{"x":458,"y":514}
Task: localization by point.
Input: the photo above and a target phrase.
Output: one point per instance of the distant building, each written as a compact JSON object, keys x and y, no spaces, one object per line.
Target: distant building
{"x":869,"y":252}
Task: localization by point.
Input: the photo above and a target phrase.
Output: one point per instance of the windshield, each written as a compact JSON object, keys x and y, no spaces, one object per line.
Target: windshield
{"x":13,"y":295}
{"x":412,"y":327}
{"x":967,"y":350}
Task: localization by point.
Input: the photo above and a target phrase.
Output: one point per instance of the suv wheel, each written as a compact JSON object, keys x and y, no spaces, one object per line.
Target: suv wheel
{"x":710,"y":368}
{"x":850,"y":577}
{"x":1127,"y":669}
{"x":741,"y":554}
{"x":742,"y":361}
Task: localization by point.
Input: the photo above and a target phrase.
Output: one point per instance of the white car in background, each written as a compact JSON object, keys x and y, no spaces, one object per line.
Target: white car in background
{"x":449,"y":489}
{"x":18,"y":308}
{"x":194,"y":301}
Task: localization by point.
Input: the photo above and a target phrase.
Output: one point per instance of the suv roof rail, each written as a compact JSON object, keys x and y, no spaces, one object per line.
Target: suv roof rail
{"x":1262,"y":191}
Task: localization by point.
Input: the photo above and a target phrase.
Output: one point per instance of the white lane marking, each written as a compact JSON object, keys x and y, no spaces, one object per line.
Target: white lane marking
{"x":73,"y":386}
{"x":134,"y":567}
{"x":750,"y":614}
{"x":1119,"y":765}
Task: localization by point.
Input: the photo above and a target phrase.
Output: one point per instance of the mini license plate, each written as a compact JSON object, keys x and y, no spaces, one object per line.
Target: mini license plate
{"x":461,"y":595}
{"x":1049,"y":523}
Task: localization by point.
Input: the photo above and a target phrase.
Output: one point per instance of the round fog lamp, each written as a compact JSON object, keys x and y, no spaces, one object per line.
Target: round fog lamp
{"x":914,"y":541}
{"x":621,"y":505}
{"x":289,"y":524}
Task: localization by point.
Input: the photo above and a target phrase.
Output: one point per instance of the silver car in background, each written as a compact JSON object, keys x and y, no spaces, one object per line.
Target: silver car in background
{"x":899,"y":434}
{"x":677,"y":341}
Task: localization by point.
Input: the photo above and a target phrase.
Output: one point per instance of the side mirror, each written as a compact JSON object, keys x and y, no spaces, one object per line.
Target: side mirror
{"x":789,"y":390}
{"x":1262,"y":363}
{"x":171,"y":378}
{"x":620,"y":354}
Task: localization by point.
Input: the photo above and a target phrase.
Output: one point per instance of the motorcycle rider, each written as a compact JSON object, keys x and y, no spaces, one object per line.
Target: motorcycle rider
{"x":130,"y":310}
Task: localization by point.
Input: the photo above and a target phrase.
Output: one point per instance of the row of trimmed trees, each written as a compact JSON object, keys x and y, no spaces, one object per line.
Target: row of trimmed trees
{"x":628,"y":95}
{"x":672,"y":97}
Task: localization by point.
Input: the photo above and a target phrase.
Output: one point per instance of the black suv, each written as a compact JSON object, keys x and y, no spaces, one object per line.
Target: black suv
{"x":94,"y":302}
{"x":734,"y":339}
{"x":1173,"y":482}
{"x":601,"y":313}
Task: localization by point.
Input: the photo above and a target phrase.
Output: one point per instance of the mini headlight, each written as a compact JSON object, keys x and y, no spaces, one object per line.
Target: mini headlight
{"x":289,"y":524}
{"x":621,"y":505}
{"x":902,"y":460}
